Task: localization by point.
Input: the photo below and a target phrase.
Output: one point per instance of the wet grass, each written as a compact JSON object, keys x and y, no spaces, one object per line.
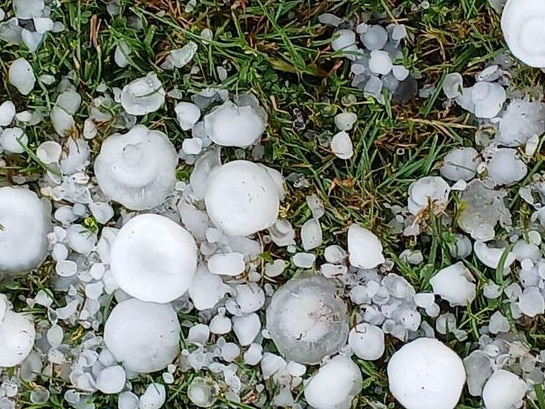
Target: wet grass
{"x":278,"y":51}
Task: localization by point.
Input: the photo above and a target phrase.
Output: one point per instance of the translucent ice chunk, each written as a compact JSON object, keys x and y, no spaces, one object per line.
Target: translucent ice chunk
{"x":306,"y":319}
{"x":478,"y":368}
{"x":483,"y":209}
{"x":374,"y":38}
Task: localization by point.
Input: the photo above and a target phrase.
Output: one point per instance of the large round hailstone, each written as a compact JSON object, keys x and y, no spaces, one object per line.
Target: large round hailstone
{"x":335,"y":384}
{"x":426,"y":374}
{"x":504,"y":390}
{"x":143,"y":95}
{"x":242,"y":198}
{"x":17,"y":335}
{"x":307,"y":320}
{"x":137,"y":169}
{"x":233,"y":125}
{"x":143,"y":336}
{"x":522,"y":23}
{"x":25,"y":222}
{"x":153,"y":258}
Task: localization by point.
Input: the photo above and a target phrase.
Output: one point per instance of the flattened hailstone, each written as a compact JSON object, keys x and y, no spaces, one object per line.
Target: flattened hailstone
{"x":367,"y":341}
{"x":307,"y":320}
{"x":143,"y":336}
{"x":143,"y":95}
{"x":531,"y":302}
{"x":505,"y":168}
{"x":375,"y":38}
{"x":11,"y":140}
{"x":17,"y":335}
{"x":345,"y":121}
{"x":154,"y":397}
{"x":504,"y":390}
{"x":452,"y":85}
{"x":364,"y":248}
{"x":488,"y":98}
{"x":335,"y":384}
{"x":426,"y":374}
{"x":483,"y":209}
{"x":311,"y":234}
{"x":461,"y":163}
{"x":478,"y":369}
{"x":122,"y":54}
{"x":345,"y":40}
{"x":111,"y":379}
{"x":27,"y":9}
{"x":428,"y":191}
{"x":454,"y":284}
{"x":242,"y":198}
{"x":7,"y":113}
{"x":233,"y":125}
{"x":25,"y":221}
{"x":187,"y":114}
{"x":380,"y":62}
{"x":202,"y":393}
{"x":521,"y":121}
{"x":153,"y":258}
{"x":21,"y":76}
{"x":206,"y":289}
{"x":341,"y":146}
{"x":522,"y":26}
{"x":137,"y":169}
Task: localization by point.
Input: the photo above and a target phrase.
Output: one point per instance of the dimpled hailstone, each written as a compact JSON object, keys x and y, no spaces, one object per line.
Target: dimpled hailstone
{"x":153,"y":258}
{"x":504,"y":390}
{"x":17,"y":335}
{"x":307,"y":320}
{"x":233,"y":125}
{"x":25,"y":221}
{"x":454,"y":284}
{"x":242,"y":198}
{"x":426,"y":374}
{"x":143,"y":336}
{"x":143,"y":95}
{"x":335,"y":384}
{"x":137,"y":169}
{"x":21,"y":76}
{"x":523,"y":26}
{"x":364,"y":248}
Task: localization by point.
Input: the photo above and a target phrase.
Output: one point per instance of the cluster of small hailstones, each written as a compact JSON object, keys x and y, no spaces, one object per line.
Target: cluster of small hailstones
{"x":29,"y":25}
{"x":375,"y":57}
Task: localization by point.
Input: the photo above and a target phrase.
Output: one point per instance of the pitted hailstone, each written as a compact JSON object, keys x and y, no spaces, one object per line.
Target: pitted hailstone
{"x":153,"y":258}
{"x":137,"y":169}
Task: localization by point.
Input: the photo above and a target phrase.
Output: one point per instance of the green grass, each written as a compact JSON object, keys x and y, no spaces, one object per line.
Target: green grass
{"x":278,"y":51}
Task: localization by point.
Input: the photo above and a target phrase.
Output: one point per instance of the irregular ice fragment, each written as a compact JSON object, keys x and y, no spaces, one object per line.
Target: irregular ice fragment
{"x":454,"y":284}
{"x":21,"y":76}
{"x":461,"y":163}
{"x":505,"y":168}
{"x":428,"y":192}
{"x":503,"y":390}
{"x":341,"y":146}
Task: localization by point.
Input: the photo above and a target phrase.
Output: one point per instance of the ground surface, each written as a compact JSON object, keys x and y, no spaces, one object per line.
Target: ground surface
{"x":278,"y":51}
